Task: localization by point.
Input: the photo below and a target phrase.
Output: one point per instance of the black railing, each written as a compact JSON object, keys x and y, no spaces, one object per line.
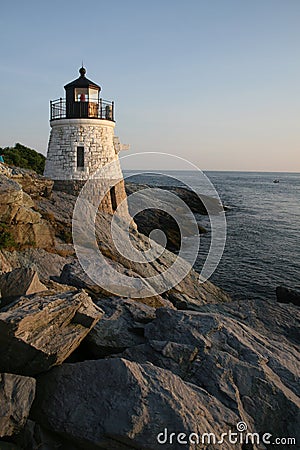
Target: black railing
{"x":98,"y":109}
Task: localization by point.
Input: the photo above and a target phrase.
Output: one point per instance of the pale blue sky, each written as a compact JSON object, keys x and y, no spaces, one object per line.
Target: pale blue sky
{"x":214,"y":81}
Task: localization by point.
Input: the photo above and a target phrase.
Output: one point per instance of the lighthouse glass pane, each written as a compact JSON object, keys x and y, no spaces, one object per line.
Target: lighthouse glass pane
{"x":93,"y":95}
{"x":81,"y":95}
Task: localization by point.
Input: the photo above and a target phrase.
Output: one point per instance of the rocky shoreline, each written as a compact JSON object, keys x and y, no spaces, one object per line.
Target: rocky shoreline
{"x":150,"y":219}
{"x":83,"y":369}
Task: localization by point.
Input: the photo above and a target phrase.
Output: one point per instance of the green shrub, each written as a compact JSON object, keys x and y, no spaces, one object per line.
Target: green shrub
{"x":6,"y":238}
{"x":24,"y":157}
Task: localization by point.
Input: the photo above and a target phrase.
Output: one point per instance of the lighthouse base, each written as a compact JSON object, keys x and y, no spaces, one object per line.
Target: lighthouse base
{"x":107,"y":197}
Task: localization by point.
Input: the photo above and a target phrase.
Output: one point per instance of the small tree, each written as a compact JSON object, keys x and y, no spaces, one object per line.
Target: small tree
{"x":24,"y":157}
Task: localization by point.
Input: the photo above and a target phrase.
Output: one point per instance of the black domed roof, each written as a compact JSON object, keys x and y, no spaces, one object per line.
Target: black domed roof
{"x":82,"y":81}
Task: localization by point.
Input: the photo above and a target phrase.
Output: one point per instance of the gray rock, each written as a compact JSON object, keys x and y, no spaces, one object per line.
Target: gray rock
{"x":32,"y":183}
{"x":5,"y":169}
{"x":42,"y":331}
{"x":58,"y":211}
{"x":124,"y":405}
{"x":60,"y":206}
{"x":74,"y":275}
{"x":255,"y":376}
{"x":143,"y":278}
{"x":22,"y":281}
{"x":273,"y":320}
{"x":4,"y":264}
{"x":25,"y":225}
{"x":46,"y":264}
{"x":188,"y":294}
{"x":122,"y":326}
{"x":9,"y":446}
{"x":156,"y":218}
{"x":198,"y":203}
{"x":35,"y":437}
{"x":16,"y":397}
{"x":286,"y":295}
{"x":11,"y":196}
{"x":177,"y":358}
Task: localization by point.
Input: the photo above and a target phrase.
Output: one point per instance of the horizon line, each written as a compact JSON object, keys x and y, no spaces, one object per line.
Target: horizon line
{"x":213,"y":170}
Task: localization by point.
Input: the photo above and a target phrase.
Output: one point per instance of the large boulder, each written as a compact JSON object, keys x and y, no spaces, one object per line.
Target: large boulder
{"x":11,"y":196}
{"x":47,"y":264}
{"x":198,"y":203}
{"x":41,"y":331}
{"x":16,"y":397}
{"x":155,"y":219}
{"x":26,"y":226}
{"x":21,"y":281}
{"x":180,"y":286}
{"x":58,"y":210}
{"x":185,"y":294}
{"x":178,"y":358}
{"x":124,"y":405}
{"x":74,"y":275}
{"x":273,"y":320}
{"x":121,"y":327}
{"x":252,"y":374}
{"x":37,"y":234}
{"x":151,"y":219}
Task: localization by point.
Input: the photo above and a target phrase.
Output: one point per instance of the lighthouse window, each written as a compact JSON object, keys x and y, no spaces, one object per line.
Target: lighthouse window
{"x":93,"y":95}
{"x":80,"y":157}
{"x":113,"y":198}
{"x":81,"y":95}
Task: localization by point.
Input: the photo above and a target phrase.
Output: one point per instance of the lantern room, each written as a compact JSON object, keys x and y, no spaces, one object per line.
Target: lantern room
{"x":82,"y":101}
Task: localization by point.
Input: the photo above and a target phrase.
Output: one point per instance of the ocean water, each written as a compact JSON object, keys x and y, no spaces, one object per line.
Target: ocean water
{"x":263,"y":222}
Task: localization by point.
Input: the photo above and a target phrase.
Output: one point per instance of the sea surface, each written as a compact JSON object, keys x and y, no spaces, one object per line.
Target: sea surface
{"x":263,"y":222}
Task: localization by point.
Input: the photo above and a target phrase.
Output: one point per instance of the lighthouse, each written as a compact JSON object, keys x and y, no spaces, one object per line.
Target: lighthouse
{"x":82,"y":141}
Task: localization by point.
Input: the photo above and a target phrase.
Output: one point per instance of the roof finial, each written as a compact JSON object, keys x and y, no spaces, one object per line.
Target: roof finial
{"x":82,"y":71}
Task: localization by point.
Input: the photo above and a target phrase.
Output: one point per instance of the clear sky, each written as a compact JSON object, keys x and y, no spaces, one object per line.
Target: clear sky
{"x":214,"y":81}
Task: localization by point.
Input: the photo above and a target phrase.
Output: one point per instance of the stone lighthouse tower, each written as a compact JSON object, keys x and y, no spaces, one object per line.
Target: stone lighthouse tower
{"x":82,"y":141}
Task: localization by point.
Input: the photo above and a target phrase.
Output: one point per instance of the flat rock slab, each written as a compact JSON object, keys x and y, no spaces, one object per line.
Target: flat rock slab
{"x":16,"y":397}
{"x":117,"y":404}
{"x":42,"y":331}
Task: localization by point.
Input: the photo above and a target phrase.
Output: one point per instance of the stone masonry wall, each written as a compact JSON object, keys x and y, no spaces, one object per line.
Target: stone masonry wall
{"x":101,"y":148}
{"x":97,"y":138}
